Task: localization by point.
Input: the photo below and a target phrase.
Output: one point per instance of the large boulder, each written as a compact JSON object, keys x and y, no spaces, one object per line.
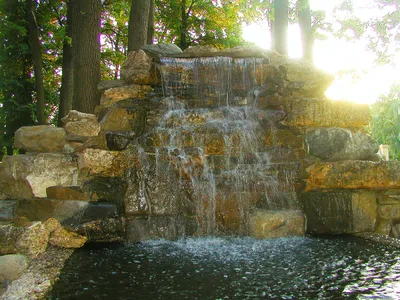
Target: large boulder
{"x":33,"y":241}
{"x":41,"y":138}
{"x":139,"y":68}
{"x":312,"y":112}
{"x":340,"y":144}
{"x":104,"y":163}
{"x":27,"y":176}
{"x":81,"y":124}
{"x":354,"y":174}
{"x":161,"y":50}
{"x":339,"y":212}
{"x":275,"y":224}
{"x":114,"y":95}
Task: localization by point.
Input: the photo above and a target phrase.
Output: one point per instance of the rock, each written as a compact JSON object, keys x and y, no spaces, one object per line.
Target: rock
{"x":200,"y":50}
{"x":104,"y":163}
{"x":117,"y":141}
{"x":340,"y":144}
{"x":307,"y":112}
{"x":109,"y":84}
{"x":42,"y":138}
{"x":139,"y":69}
{"x":275,"y":224}
{"x":83,"y":128}
{"x":105,"y":230}
{"x":66,"y":193}
{"x":8,"y":210}
{"x":33,"y":241}
{"x":161,"y":50}
{"x":27,"y":176}
{"x":75,"y":116}
{"x":8,"y":238}
{"x":12,"y":266}
{"x":339,"y":212}
{"x":128,"y":115}
{"x":354,"y":174}
{"x":66,"y":239}
{"x":105,"y":188}
{"x":114,"y":95}
{"x":43,"y":209}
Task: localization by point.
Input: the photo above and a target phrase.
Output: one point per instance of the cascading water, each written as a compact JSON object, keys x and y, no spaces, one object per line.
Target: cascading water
{"x":207,"y":151}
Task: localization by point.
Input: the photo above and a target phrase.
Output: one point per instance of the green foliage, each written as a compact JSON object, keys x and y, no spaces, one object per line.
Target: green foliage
{"x":385,"y":125}
{"x":214,"y":23}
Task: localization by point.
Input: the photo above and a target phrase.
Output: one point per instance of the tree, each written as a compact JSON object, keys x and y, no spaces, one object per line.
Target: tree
{"x":86,"y":53}
{"x":16,"y":87}
{"x":150,"y":24}
{"x":36,"y":52}
{"x":306,"y":30}
{"x":280,"y":28}
{"x":138,"y":24}
{"x":385,"y":124}
{"x":67,"y":83}
{"x":193,"y":22}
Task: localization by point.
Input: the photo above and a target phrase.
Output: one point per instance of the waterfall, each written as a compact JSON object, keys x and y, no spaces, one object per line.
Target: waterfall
{"x":209,"y":158}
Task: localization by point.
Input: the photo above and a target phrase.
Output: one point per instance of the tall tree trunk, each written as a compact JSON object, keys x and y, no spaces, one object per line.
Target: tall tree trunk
{"x":183,"y":27}
{"x":150,"y":26}
{"x":86,"y":54}
{"x":281,"y":21}
{"x":138,"y":24}
{"x":36,"y":59}
{"x":67,"y":81}
{"x":306,"y":32}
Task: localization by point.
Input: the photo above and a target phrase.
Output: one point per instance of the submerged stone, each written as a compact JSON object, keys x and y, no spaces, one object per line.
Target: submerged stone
{"x":12,"y":266}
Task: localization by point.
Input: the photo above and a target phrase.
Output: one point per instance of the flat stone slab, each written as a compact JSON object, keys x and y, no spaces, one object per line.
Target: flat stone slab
{"x":354,"y":174}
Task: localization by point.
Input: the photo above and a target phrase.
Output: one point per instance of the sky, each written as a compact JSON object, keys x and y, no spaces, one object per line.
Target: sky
{"x":334,"y":55}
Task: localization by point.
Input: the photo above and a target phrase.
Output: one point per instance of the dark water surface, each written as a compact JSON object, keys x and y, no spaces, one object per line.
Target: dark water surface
{"x":233,"y":268}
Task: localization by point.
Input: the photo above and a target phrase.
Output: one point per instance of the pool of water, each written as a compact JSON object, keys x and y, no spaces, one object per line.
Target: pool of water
{"x":233,"y":268}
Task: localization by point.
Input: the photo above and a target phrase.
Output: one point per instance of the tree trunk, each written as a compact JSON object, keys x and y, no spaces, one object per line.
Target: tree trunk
{"x":306,"y":32}
{"x":138,"y":24}
{"x":281,"y":20}
{"x":183,"y":27}
{"x":86,"y":54}
{"x":67,"y":81}
{"x":150,"y":27}
{"x":36,"y":59}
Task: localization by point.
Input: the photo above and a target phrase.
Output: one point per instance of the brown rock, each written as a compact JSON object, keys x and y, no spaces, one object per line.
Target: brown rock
{"x":326,"y":113}
{"x":42,"y":138}
{"x":66,"y":193}
{"x":83,"y":128}
{"x":112,"y":96}
{"x":354,"y":175}
{"x":118,"y":119}
{"x":33,"y":241}
{"x":139,"y":69}
{"x":66,"y":239}
{"x":104,"y":163}
{"x":25,"y":176}
{"x":275,"y":224}
{"x":75,"y":116}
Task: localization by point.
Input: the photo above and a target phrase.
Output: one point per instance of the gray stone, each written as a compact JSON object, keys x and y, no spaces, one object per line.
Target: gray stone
{"x":75,"y":116}
{"x":7,"y":209}
{"x":41,"y":138}
{"x":109,"y":84}
{"x":105,"y":188}
{"x":12,"y":266}
{"x":160,"y":50}
{"x":139,"y":69}
{"x":105,"y":230}
{"x":340,"y":144}
{"x":117,"y":141}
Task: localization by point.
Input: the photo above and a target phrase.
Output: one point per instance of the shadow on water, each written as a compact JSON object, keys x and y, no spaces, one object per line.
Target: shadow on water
{"x":233,"y":268}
